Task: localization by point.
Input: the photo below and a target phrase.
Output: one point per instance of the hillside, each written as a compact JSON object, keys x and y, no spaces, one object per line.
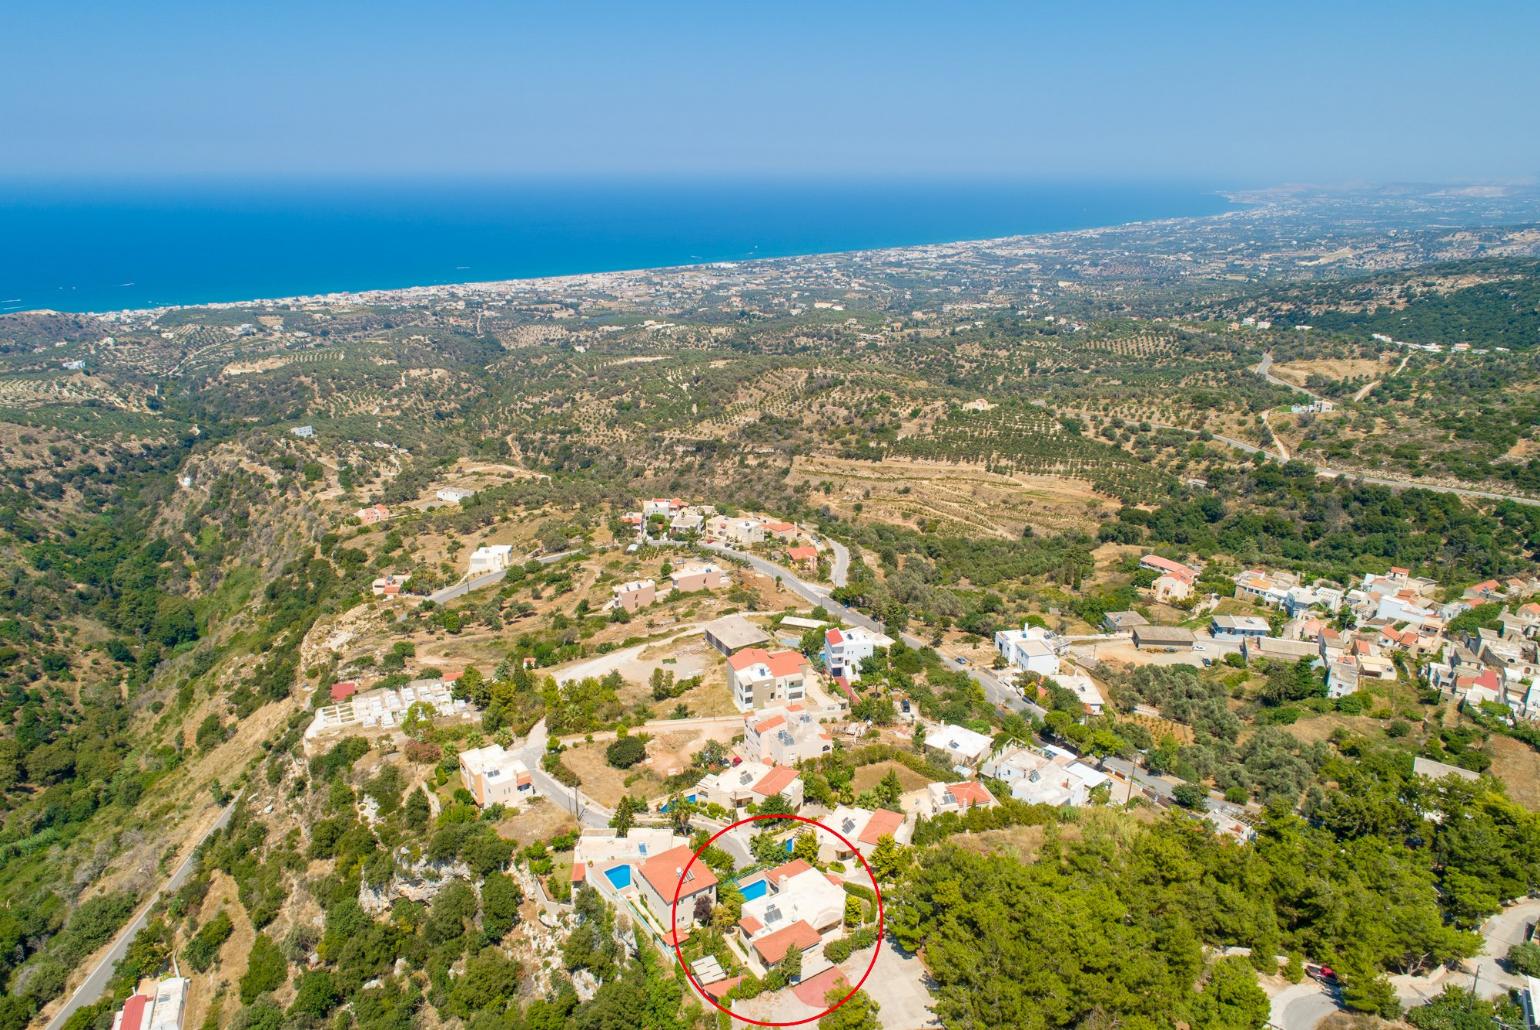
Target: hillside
{"x":966,"y":439}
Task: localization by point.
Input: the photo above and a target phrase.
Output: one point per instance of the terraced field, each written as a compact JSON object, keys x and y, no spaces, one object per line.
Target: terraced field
{"x":957,"y":498}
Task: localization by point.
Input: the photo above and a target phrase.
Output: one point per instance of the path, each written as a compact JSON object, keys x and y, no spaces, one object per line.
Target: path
{"x":840,"y":573}
{"x":1264,"y":367}
{"x":95,"y":983}
{"x":1366,"y":390}
{"x":1283,"y":452}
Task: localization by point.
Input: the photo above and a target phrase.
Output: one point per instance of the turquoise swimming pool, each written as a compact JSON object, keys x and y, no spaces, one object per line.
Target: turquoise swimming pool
{"x":619,"y":876}
{"x":754,"y":889}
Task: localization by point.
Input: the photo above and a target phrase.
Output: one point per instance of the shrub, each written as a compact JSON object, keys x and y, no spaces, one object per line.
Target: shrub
{"x":266,"y":969}
{"x":625,"y":752}
{"x":205,"y":944}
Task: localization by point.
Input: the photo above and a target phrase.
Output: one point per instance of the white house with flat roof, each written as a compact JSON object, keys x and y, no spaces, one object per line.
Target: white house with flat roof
{"x":845,"y":649}
{"x":785,"y":736}
{"x":1044,"y":776}
{"x":1030,"y":649}
{"x":490,"y":558}
{"x":960,"y":748}
{"x":495,"y":777}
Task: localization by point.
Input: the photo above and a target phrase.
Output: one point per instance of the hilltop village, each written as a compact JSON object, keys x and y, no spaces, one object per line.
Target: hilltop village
{"x":1152,"y":610}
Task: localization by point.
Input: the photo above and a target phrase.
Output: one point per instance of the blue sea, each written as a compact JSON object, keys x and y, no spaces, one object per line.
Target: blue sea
{"x":103,"y":247}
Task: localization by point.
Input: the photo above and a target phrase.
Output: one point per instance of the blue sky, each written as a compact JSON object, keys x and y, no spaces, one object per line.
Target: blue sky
{"x":1238,"y":91}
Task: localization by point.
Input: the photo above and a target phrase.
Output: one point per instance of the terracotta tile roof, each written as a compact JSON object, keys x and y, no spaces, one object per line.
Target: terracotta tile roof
{"x":786,"y":870}
{"x":786,"y":663}
{"x":750,"y":925}
{"x":835,"y":637}
{"x":344,"y":690}
{"x":779,"y":527}
{"x":662,"y":873}
{"x":775,"y":781}
{"x":969,"y":793}
{"x":579,"y":872}
{"x":802,"y":552}
{"x":1166,"y":565}
{"x":719,"y":989}
{"x":773,"y":947}
{"x":781,"y":663}
{"x":768,"y":724}
{"x":844,"y":684}
{"x":883,"y":823}
{"x":747,"y":657}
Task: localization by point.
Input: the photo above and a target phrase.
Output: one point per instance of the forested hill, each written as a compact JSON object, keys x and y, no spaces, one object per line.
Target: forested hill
{"x":1485,"y":303}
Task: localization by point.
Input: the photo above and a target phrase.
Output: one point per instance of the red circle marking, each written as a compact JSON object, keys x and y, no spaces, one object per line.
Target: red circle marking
{"x":674,"y":919}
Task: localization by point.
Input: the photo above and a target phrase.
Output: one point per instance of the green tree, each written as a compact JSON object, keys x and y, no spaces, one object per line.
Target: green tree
{"x":625,"y":814}
{"x":1458,"y":1009}
{"x":859,"y":1013}
{"x":500,"y":899}
{"x":1524,"y":958}
{"x":1232,"y":999}
{"x":315,"y":995}
{"x":806,"y":847}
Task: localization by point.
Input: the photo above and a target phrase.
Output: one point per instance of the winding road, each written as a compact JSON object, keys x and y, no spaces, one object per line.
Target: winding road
{"x":95,"y":983}
{"x":996,"y":692}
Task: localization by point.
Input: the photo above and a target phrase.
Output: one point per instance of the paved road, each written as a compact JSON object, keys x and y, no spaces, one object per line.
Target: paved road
{"x":96,"y":983}
{"x":486,"y":579}
{"x":465,"y":586}
{"x":839,"y":574}
{"x":996,"y":692}
{"x":589,"y":813}
{"x":1303,"y":1006}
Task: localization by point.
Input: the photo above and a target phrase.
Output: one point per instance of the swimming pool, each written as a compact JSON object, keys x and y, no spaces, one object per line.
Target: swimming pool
{"x":754,"y":889}
{"x":619,"y":876}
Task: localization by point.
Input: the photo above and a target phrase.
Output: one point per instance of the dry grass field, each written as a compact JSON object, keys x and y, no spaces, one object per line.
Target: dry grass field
{"x":1518,"y":766}
{"x":962,"y":498}
{"x":869,"y":776}
{"x":1298,"y":372}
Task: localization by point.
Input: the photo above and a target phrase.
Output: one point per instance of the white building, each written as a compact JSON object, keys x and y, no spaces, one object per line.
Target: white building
{"x":385,"y":708}
{"x":800,"y":907}
{"x":759,"y":678}
{"x":959,"y":797}
{"x":490,"y":558}
{"x":960,"y":748}
{"x":1031,"y":649}
{"x":785,"y":736}
{"x":454,"y":494}
{"x":845,"y":649}
{"x":495,"y":777}
{"x":154,"y":1006}
{"x":863,"y":829}
{"x":750,"y":784}
{"x":1084,"y":688}
{"x":1044,"y":776}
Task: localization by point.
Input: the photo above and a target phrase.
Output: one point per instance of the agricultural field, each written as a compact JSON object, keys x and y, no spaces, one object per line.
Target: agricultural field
{"x":951,"y":497}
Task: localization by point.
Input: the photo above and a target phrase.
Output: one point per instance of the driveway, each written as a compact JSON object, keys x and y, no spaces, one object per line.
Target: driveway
{"x":1301,"y":1006}
{"x":898,"y":983}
